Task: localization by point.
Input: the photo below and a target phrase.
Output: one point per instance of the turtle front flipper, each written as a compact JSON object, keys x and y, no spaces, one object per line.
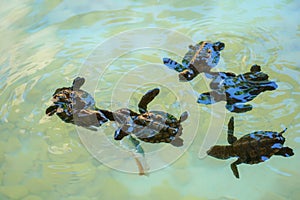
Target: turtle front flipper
{"x":146,"y":99}
{"x":119,"y":134}
{"x":230,"y":137}
{"x":238,"y":108}
{"x":235,"y":169}
{"x":51,"y":110}
{"x":183,"y":116}
{"x":173,"y":65}
{"x":285,"y":152}
{"x":77,"y":83}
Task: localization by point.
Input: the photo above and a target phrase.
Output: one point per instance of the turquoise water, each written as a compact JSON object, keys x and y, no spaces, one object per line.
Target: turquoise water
{"x":118,"y":47}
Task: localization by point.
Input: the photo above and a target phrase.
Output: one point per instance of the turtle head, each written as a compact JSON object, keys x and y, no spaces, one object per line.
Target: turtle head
{"x":62,"y":101}
{"x":218,"y":46}
{"x":208,"y":56}
{"x":255,"y":68}
{"x":219,"y":151}
{"x":77,"y":83}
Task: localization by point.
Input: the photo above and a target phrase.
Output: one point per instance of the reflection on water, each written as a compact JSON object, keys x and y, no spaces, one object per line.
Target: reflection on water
{"x":44,"y":45}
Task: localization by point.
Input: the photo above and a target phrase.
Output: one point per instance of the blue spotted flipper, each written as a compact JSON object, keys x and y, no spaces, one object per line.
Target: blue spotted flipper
{"x":174,"y":65}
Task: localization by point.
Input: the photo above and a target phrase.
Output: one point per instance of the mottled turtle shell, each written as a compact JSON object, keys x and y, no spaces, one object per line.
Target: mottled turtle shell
{"x":203,"y":55}
{"x":153,"y":126}
{"x":200,"y":57}
{"x":150,"y":126}
{"x":258,"y":146}
{"x":68,"y":100}
{"x":76,"y":106}
{"x":252,"y":148}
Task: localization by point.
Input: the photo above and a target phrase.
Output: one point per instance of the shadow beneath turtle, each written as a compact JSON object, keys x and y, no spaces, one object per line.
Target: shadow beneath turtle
{"x":236,"y":90}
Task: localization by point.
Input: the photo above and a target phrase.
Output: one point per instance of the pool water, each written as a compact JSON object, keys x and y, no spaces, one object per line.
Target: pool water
{"x":118,"y":47}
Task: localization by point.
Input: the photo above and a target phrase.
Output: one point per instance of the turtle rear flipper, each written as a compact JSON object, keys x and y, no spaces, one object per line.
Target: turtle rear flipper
{"x":269,"y":86}
{"x":177,"y":142}
{"x":285,"y":152}
{"x":230,"y":137}
{"x":239,"y":108}
{"x":146,"y":99}
{"x":119,"y":134}
{"x":235,"y":169}
{"x":89,"y":118}
{"x":51,"y":110}
{"x":173,"y":65}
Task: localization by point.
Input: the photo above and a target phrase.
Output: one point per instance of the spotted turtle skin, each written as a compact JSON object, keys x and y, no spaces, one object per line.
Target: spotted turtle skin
{"x":252,"y":148}
{"x":236,"y":90}
{"x":149,"y":126}
{"x":201,"y":57}
{"x":76,"y":106}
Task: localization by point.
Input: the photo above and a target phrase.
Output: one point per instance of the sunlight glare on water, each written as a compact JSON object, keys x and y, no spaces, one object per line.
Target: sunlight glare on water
{"x":46,"y":44}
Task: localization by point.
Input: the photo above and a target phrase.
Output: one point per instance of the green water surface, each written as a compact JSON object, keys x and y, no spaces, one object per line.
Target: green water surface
{"x":118,"y":47}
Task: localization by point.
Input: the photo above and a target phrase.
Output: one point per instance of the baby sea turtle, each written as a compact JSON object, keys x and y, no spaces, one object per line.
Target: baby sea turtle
{"x":252,"y":148}
{"x":149,"y":126}
{"x":76,"y":106}
{"x":200,"y":58}
{"x":236,"y":90}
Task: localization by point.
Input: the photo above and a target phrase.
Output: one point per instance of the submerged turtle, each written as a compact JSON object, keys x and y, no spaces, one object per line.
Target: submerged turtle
{"x":200,"y":58}
{"x":252,"y":148}
{"x":76,"y":106}
{"x":236,"y":90}
{"x":149,"y":126}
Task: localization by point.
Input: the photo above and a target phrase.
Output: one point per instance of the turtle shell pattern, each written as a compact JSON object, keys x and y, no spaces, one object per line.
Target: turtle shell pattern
{"x":150,"y":126}
{"x":76,"y":106}
{"x":200,"y":57}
